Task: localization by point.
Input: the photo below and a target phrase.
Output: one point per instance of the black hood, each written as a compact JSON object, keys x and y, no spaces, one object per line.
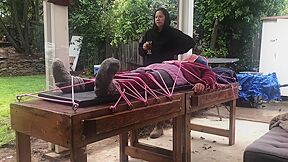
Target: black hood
{"x":167,"y":19}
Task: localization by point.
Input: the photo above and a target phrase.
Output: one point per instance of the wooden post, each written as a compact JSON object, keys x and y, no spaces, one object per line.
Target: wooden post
{"x":134,"y":137}
{"x":232,"y":117}
{"x":187,"y":138}
{"x":178,"y":138}
{"x":78,"y":154}
{"x":123,"y":143}
{"x":23,"y":147}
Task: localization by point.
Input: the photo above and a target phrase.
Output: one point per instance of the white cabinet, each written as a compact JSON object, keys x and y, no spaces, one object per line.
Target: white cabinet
{"x":274,"y":49}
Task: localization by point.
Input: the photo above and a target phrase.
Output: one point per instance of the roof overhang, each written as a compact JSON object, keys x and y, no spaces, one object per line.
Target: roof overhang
{"x":61,"y":2}
{"x":274,"y":17}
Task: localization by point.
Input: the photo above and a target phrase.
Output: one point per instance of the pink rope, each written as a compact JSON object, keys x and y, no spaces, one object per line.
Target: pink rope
{"x":123,"y":84}
{"x":145,"y":87}
{"x":122,"y":94}
{"x":173,"y":87}
{"x":74,"y":104}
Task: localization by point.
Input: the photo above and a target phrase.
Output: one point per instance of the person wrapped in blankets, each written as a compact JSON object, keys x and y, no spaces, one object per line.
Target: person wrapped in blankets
{"x":191,"y":72}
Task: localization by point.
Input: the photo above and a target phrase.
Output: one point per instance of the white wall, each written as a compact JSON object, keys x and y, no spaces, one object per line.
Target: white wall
{"x":185,"y":21}
{"x":56,"y":35}
{"x":274,"y":50}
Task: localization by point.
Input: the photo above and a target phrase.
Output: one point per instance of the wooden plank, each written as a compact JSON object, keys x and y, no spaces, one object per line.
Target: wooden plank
{"x":232,"y":118}
{"x":123,"y":119}
{"x":210,"y":130}
{"x":123,"y":144}
{"x":90,"y":111}
{"x":195,"y":102}
{"x":155,"y":149}
{"x":147,"y":155}
{"x":51,"y":127}
{"x":214,"y":97}
{"x":23,"y":147}
{"x":93,"y":137}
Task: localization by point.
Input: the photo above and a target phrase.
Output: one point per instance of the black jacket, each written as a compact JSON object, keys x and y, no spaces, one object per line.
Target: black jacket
{"x":165,"y":45}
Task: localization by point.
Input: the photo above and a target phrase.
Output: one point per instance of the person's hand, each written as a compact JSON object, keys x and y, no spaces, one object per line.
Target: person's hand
{"x":147,"y":46}
{"x":199,"y":87}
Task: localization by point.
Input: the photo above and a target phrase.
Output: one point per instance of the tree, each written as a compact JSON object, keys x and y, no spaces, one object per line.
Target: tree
{"x":226,"y":28}
{"x":131,"y":18}
{"x":285,"y":10}
{"x":101,"y":22}
{"x":91,"y":19}
{"x":15,"y":22}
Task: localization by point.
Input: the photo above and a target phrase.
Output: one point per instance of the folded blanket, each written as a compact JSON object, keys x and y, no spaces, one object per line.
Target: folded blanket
{"x":279,"y":121}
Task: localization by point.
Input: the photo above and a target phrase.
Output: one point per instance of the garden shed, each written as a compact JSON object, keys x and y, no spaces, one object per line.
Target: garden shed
{"x":274,"y":55}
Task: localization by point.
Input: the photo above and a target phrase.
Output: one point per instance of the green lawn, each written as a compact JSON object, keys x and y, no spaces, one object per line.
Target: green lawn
{"x":9,"y":88}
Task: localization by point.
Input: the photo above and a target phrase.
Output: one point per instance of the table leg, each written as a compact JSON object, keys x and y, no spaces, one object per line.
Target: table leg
{"x":232,"y":119}
{"x":78,"y":154}
{"x":187,"y":138}
{"x":178,"y":138}
{"x":134,"y":137}
{"x":123,"y":143}
{"x":23,"y":147}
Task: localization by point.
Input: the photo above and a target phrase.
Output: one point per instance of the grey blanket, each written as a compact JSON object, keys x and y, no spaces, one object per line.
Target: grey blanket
{"x":280,"y":121}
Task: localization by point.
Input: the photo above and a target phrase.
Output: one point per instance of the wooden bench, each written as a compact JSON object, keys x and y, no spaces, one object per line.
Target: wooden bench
{"x":60,"y":125}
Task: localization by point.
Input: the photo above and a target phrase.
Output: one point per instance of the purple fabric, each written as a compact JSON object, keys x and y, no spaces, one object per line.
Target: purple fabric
{"x":172,"y":70}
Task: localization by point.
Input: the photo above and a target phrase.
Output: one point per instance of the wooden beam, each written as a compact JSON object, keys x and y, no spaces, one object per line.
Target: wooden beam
{"x":147,"y":155}
{"x":155,"y":149}
{"x":61,"y":2}
{"x":210,"y":130}
{"x":114,"y":121}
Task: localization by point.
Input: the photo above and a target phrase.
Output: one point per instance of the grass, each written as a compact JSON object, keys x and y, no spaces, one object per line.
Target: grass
{"x":9,"y":88}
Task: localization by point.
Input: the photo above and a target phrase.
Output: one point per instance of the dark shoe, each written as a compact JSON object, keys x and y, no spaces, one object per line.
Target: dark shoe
{"x":156,"y":133}
{"x":59,"y":72}
{"x":103,"y":82}
{"x":62,"y":78}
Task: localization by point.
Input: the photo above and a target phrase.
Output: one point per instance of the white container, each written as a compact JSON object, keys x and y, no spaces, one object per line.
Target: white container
{"x":96,"y":69}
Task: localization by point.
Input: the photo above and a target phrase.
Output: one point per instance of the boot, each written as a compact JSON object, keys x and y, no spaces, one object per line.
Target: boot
{"x":62,"y":78}
{"x":157,"y":131}
{"x":103,"y":82}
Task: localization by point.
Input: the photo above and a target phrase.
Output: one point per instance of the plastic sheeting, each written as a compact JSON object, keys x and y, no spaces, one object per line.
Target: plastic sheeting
{"x":258,"y":85}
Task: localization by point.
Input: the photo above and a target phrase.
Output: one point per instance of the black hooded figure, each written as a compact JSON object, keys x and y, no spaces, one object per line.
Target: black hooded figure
{"x":162,"y":43}
{"x":166,"y":41}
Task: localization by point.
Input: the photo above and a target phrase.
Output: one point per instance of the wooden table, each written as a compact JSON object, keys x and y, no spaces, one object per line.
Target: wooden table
{"x":60,"y":125}
{"x":196,"y":103}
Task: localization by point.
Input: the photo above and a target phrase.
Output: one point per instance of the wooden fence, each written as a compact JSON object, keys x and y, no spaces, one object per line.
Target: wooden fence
{"x":130,"y":59}
{"x":127,"y":54}
{"x":256,"y":50}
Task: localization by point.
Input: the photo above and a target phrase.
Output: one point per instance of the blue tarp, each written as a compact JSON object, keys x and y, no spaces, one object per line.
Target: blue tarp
{"x":258,"y":85}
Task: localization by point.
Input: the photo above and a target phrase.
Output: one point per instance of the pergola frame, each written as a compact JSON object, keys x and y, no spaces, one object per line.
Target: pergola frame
{"x":56,"y":32}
